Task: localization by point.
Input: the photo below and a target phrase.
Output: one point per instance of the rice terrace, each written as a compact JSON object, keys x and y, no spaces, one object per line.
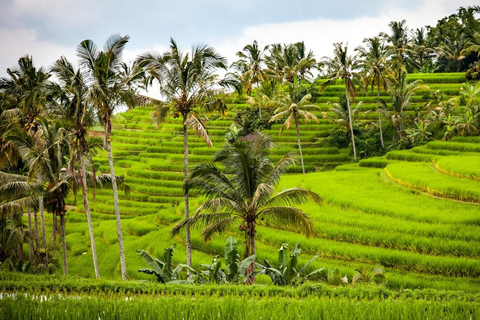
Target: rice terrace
{"x":282,"y":185}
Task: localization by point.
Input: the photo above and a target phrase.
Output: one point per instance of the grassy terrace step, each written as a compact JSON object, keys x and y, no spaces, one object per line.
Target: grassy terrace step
{"x":460,"y":166}
{"x":454,"y":146}
{"x":408,"y":155}
{"x":370,"y":191}
{"x":424,"y":177}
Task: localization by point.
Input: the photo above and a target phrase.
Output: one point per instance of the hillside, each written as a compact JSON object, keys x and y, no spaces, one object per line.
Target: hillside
{"x":414,"y":212}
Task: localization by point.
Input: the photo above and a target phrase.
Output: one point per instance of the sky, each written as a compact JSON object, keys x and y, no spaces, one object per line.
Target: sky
{"x":48,"y":29}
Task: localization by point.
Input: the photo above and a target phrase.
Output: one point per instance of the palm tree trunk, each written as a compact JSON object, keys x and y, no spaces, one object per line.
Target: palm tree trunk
{"x":30,"y":235}
{"x":86,"y":205}
{"x":380,"y":119}
{"x":188,"y":243}
{"x":35,"y":224}
{"x":351,"y":123}
{"x":54,"y":233}
{"x":115,"y":200}
{"x":64,"y":244}
{"x":42,"y":221}
{"x":298,"y":139}
{"x":251,"y":250}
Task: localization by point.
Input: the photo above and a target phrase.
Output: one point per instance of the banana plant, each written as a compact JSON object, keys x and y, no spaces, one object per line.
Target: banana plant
{"x":163,"y":270}
{"x":235,"y":270}
{"x":288,"y":272}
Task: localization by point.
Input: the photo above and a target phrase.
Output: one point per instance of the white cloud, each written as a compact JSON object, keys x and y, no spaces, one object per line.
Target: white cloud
{"x":23,"y":42}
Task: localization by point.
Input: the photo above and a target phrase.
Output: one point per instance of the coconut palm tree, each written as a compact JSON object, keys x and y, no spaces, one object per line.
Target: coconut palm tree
{"x":106,"y":92}
{"x":286,"y":63}
{"x":401,"y":94}
{"x":398,"y":44}
{"x":78,"y":115}
{"x":26,"y":88}
{"x":453,"y":49}
{"x":374,"y":62}
{"x":246,"y":193}
{"x":187,"y":81}
{"x":342,"y":66}
{"x":251,"y":63}
{"x":294,"y":107}
{"x":420,"y":50}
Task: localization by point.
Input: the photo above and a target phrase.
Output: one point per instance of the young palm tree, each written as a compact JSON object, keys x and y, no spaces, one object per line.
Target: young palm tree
{"x":246,"y":193}
{"x":107,"y":90}
{"x":342,"y":66}
{"x":376,"y":67}
{"x":294,"y":107}
{"x":78,"y":116}
{"x":187,"y":81}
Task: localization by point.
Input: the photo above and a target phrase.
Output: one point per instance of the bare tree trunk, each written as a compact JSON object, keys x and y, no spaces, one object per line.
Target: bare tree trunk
{"x":188,"y":242}
{"x":380,"y":119}
{"x":64,"y":244}
{"x":86,"y":205}
{"x":115,"y":200}
{"x":351,"y":123}
{"x":30,"y":235}
{"x":298,"y":139}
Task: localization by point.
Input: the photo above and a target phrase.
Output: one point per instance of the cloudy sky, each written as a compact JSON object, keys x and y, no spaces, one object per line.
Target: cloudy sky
{"x":48,"y":29}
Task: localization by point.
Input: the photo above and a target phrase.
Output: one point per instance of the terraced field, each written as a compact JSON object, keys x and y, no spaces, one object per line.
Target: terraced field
{"x":414,"y":212}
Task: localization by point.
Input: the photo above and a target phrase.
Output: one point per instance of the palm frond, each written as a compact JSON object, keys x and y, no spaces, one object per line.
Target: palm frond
{"x":288,"y":217}
{"x":293,"y":196}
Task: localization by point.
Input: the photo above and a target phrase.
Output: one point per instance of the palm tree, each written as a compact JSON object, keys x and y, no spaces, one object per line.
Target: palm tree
{"x":398,"y":39}
{"x":420,"y":49}
{"x":286,"y":63}
{"x":376,"y":67}
{"x":102,"y":70}
{"x":79,"y":118}
{"x":251,"y":63}
{"x":401,"y":94}
{"x":342,"y":66}
{"x":294,"y":107}
{"x":187,"y":81}
{"x":246,"y":193}
{"x":453,"y":49}
{"x":26,"y":88}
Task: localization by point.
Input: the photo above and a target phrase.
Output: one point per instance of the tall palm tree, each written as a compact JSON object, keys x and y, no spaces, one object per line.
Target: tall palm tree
{"x":107,"y":91}
{"x":398,"y":44}
{"x":342,"y":66}
{"x":246,"y":193}
{"x":251,"y":63}
{"x":187,"y":81}
{"x":294,"y":107}
{"x":374,"y":62}
{"x":78,"y":116}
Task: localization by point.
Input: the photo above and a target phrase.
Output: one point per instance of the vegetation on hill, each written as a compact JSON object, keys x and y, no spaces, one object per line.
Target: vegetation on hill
{"x":402,"y":138}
